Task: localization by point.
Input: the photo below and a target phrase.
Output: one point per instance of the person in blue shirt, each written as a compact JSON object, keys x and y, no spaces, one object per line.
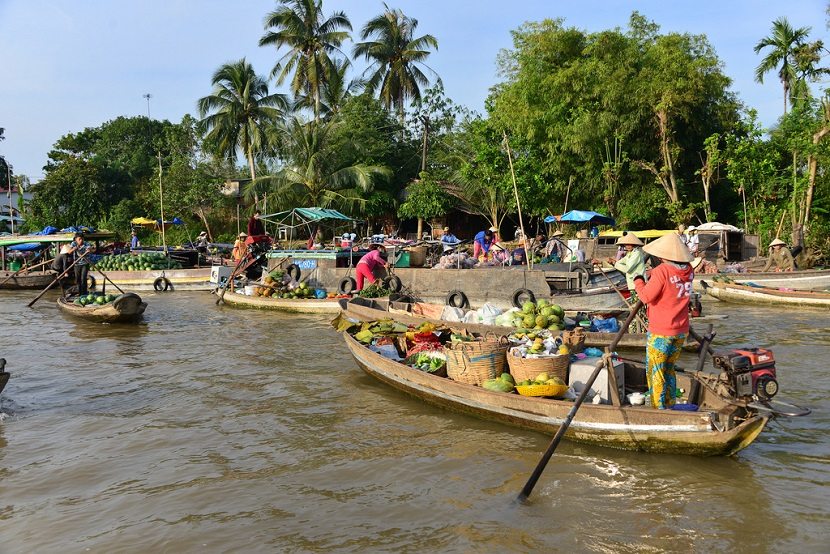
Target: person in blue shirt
{"x":448,"y":240}
{"x":80,"y":249}
{"x":483,"y":241}
{"x":133,"y":240}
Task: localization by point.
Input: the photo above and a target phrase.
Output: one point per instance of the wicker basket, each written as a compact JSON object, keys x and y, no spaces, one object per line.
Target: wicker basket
{"x":574,"y":340}
{"x":542,"y":390}
{"x":476,"y":361}
{"x":528,"y":368}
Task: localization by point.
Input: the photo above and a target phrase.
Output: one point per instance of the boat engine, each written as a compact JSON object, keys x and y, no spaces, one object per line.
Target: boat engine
{"x":751,"y":371}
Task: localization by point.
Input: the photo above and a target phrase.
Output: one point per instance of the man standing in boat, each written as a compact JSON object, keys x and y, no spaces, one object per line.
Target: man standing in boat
{"x":80,"y":249}
{"x":255,"y":226}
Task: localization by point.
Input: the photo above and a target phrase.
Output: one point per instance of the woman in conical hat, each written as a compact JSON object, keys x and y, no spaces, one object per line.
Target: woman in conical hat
{"x":634,"y":261}
{"x":780,"y":257}
{"x":667,"y":296}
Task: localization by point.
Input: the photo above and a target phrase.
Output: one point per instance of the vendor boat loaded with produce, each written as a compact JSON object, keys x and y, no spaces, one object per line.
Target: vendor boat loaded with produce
{"x":652,"y":407}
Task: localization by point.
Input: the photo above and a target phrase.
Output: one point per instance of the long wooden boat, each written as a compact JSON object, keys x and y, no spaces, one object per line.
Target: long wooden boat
{"x":4,"y":375}
{"x":722,"y":426}
{"x":126,"y":308}
{"x":816,"y":279}
{"x":731,"y":292}
{"x":34,"y":280}
{"x":373,"y":309}
{"x":309,"y":306}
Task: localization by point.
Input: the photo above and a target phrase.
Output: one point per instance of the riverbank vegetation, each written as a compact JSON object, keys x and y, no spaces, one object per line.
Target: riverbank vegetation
{"x":635,"y":122}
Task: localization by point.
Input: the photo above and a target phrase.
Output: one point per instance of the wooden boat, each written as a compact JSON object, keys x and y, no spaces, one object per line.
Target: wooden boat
{"x":34,"y":280}
{"x":126,"y":308}
{"x":722,"y":426}
{"x":310,"y":306}
{"x":731,"y":292}
{"x":806,"y":279}
{"x":4,"y":375}
{"x":373,"y":309}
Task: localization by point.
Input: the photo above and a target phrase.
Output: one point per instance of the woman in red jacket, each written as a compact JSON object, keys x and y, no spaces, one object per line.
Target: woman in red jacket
{"x":667,"y":296}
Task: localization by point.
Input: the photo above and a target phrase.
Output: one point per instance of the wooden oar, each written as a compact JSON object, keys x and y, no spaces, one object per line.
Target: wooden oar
{"x":98,"y":269}
{"x":622,"y":297}
{"x":540,"y":467}
{"x":236,"y":271}
{"x":27,"y":269}
{"x":58,"y":278}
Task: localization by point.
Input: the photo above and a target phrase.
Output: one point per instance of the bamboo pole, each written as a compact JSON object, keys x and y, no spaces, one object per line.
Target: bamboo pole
{"x":528,"y":255}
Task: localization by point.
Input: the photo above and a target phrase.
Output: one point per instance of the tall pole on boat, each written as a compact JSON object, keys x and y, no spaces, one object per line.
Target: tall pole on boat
{"x":528,"y":255}
{"x":9,"y":178}
{"x":161,"y":192}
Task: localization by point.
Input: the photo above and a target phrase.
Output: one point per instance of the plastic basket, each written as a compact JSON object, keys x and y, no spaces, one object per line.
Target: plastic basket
{"x":542,"y":390}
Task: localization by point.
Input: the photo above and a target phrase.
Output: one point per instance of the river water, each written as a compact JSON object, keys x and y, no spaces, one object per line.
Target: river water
{"x":213,"y":429}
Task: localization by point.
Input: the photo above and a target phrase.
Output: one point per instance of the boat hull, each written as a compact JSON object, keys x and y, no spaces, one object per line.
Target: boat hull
{"x":757,"y":295}
{"x":626,"y":428}
{"x":38,"y":280}
{"x":178,"y":279}
{"x":805,"y":279}
{"x":126,"y":308}
{"x":306,"y":306}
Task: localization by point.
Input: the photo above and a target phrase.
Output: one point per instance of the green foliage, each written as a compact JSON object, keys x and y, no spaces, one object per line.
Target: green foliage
{"x":425,"y":199}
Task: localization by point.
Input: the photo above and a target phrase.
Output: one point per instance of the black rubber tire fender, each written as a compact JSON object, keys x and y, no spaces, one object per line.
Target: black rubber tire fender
{"x":586,"y":275}
{"x":162,"y":284}
{"x":123,"y":297}
{"x":393,"y":283}
{"x":346,"y":285}
{"x":457,"y":299}
{"x":294,"y":271}
{"x":517,"y":297}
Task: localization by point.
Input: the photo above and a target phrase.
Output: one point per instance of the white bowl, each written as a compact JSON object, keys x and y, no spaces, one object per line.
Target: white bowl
{"x":636,"y":399}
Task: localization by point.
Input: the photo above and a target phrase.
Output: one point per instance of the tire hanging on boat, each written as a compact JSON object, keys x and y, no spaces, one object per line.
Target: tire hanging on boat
{"x":393,"y":283}
{"x":346,"y":285}
{"x":162,"y":284}
{"x":457,"y":299}
{"x":293,"y":271}
{"x":517,"y":297}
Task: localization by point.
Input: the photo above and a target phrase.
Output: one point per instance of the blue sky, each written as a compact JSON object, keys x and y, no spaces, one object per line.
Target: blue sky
{"x":67,"y":64}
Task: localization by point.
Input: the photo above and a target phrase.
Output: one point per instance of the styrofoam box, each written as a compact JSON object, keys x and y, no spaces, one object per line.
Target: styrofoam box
{"x":581,"y":370}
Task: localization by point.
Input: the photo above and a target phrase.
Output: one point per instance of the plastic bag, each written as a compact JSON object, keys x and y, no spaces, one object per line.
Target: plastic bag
{"x":506,"y":318}
{"x":610,"y":325}
{"x":451,"y":314}
{"x":472,"y":317}
{"x":387,"y":351}
{"x":489,"y":310}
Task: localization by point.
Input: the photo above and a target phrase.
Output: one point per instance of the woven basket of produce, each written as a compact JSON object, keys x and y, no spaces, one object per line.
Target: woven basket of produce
{"x":527,"y":368}
{"x":542,"y":390}
{"x":574,"y":340}
{"x":474,"y":362}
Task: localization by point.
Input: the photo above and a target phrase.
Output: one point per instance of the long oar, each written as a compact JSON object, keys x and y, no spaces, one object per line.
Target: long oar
{"x":244,"y":264}
{"x":540,"y":467}
{"x":622,"y":297}
{"x":98,"y":269}
{"x":58,"y":278}
{"x":26,"y":269}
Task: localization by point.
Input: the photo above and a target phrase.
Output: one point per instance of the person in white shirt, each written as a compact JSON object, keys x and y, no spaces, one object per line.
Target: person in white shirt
{"x":693,"y":240}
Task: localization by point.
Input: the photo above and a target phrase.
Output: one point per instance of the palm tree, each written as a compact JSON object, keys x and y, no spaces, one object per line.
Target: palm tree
{"x":310,"y":178}
{"x":784,"y":41}
{"x":336,"y":89}
{"x":396,"y":58}
{"x":311,"y":40}
{"x":236,"y":115}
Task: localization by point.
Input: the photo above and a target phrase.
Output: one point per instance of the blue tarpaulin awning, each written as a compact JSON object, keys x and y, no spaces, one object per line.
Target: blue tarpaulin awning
{"x":581,"y":216}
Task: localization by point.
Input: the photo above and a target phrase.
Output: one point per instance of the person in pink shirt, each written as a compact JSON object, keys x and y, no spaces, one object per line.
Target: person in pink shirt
{"x":667,"y":296}
{"x":365,"y":270}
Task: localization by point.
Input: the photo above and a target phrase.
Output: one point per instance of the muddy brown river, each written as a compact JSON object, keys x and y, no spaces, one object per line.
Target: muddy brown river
{"x":212,"y":429}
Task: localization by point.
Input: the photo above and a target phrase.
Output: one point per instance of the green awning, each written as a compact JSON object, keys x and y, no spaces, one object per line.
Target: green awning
{"x":309,"y":215}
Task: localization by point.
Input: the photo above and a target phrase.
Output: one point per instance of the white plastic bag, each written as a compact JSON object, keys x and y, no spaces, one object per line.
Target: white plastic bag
{"x":453,"y":315}
{"x":489,"y":310}
{"x":472,"y":317}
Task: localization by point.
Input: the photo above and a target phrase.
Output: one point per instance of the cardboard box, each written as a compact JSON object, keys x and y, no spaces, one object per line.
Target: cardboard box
{"x":581,"y":371}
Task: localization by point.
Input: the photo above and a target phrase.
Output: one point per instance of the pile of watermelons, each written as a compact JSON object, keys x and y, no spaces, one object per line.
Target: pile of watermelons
{"x":138,"y":262}
{"x":96,"y":299}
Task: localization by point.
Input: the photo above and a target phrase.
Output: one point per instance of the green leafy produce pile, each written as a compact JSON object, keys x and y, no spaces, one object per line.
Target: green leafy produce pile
{"x":375,"y":290}
{"x":139,"y":262}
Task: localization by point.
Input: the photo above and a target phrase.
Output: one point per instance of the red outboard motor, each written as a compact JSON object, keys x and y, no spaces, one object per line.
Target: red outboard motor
{"x":751,"y":371}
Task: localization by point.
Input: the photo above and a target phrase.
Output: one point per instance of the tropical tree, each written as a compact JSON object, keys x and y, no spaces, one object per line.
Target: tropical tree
{"x":310,"y":178}
{"x":337,"y":88}
{"x":781,"y":45}
{"x":396,"y":57}
{"x":311,"y":39}
{"x":236,"y":115}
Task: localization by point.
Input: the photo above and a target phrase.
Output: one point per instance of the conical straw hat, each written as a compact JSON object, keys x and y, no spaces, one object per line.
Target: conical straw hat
{"x":776,"y":242}
{"x":631,"y":239}
{"x":669,"y":247}
{"x":557,"y":234}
